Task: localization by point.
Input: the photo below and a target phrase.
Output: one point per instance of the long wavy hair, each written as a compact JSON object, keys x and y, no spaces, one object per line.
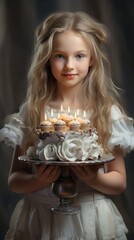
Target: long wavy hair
{"x":97,"y":84}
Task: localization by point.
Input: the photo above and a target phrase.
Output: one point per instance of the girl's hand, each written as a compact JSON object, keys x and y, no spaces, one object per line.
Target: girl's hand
{"x":86,"y":173}
{"x":111,"y":182}
{"x":47,"y":174}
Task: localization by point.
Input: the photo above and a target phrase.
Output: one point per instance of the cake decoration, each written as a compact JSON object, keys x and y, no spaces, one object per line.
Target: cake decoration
{"x":74,"y":125}
{"x":59,"y":125}
{"x":66,"y":140}
{"x":45,"y":126}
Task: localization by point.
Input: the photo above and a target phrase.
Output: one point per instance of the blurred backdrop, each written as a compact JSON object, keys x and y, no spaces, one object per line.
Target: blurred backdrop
{"x":18,"y":20}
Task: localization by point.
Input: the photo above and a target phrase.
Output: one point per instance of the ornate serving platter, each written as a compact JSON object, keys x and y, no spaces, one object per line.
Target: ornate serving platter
{"x":33,"y":159}
{"x":65,"y":187}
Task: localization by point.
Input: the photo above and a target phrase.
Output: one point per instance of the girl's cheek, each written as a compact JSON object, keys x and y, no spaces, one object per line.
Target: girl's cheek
{"x":56,"y":64}
{"x":59,"y":66}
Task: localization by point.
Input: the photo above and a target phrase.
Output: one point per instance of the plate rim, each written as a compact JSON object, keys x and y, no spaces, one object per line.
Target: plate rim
{"x":104,"y":159}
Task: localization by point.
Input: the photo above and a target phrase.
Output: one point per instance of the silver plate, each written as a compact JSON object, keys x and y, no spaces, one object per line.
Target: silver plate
{"x":105,"y":158}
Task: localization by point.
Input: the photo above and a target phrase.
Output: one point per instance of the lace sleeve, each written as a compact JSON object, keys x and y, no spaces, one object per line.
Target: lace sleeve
{"x":14,"y":131}
{"x":122,"y":131}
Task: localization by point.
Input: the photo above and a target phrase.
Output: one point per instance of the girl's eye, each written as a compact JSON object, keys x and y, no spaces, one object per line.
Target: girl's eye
{"x":60,"y":56}
{"x":81,"y":55}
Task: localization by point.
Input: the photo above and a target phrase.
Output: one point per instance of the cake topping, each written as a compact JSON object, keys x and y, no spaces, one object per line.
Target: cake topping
{"x":70,"y":139}
{"x":74,"y":125}
{"x":85,"y":124}
{"x":53,"y":120}
{"x":60,"y":122}
{"x":45,"y":123}
{"x":45,"y":126}
{"x":59,"y":125}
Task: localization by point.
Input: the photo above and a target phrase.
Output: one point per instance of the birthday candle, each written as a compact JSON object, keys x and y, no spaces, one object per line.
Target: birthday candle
{"x":58,"y":115}
{"x":45,"y":116}
{"x":78,"y":111}
{"x":61,"y":108}
{"x":68,"y":109}
{"x":75,"y":115}
{"x":84,"y":114}
{"x":52,"y":113}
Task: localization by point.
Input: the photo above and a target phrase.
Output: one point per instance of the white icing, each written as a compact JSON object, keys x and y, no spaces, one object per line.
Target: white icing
{"x":70,"y":146}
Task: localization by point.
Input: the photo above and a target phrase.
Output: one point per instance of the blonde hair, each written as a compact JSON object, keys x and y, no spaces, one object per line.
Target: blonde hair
{"x":97,"y":84}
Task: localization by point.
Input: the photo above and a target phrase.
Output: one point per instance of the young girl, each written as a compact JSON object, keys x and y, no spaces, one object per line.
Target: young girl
{"x":69,"y":68}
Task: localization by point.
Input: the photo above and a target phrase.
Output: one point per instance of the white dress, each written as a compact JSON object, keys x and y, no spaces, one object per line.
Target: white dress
{"x":98,"y":218}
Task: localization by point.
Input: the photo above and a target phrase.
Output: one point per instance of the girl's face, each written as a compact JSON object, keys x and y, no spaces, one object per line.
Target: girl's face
{"x":70,"y":59}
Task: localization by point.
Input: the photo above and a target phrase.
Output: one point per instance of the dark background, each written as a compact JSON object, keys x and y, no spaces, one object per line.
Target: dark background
{"x":18,"y":20}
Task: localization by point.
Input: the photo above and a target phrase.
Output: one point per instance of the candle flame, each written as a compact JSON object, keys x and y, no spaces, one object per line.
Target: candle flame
{"x":61,"y":108}
{"x":68,"y":109}
{"x":78,"y":111}
{"x":45,"y":116}
{"x":84,"y":114}
{"x":52,"y":113}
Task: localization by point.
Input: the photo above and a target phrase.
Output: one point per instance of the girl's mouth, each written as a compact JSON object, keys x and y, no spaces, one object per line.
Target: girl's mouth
{"x":69,"y":75}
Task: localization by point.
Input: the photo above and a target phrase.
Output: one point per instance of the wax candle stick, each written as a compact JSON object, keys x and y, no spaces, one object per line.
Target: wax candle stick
{"x":58,"y":115}
{"x":77,"y":113}
{"x":52,"y":114}
{"x":68,"y":110}
{"x":45,"y":116}
{"x":84,"y":114}
{"x":61,"y":108}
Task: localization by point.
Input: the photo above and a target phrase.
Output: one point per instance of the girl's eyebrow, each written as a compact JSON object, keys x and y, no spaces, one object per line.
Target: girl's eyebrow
{"x":79,"y":51}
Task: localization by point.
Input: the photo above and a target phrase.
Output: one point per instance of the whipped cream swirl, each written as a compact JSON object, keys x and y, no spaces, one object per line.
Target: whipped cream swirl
{"x":71,"y":146}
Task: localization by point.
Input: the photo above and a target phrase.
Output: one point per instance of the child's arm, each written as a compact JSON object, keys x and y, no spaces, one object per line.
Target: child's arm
{"x":22,"y":180}
{"x":113,"y":182}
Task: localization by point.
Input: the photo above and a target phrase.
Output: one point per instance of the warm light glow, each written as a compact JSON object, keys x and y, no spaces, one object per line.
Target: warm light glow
{"x":84,"y":114}
{"x":78,"y":111}
{"x":58,"y":115}
{"x":75,"y":115}
{"x":52,"y":114}
{"x":45,"y":116}
{"x":68,"y":109}
{"x":61,"y":108}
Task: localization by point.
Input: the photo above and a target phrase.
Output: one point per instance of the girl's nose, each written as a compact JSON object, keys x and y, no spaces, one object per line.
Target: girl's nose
{"x":69,"y":65}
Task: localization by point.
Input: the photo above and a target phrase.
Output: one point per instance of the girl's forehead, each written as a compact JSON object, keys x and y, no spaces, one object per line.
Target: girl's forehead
{"x":69,"y":39}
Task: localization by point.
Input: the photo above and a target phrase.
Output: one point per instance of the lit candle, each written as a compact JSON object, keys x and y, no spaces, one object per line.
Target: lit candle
{"x":78,"y":111}
{"x":52,"y":113}
{"x":45,"y":116}
{"x":75,"y":115}
{"x":58,"y":116}
{"x":84,"y":114}
{"x":61,"y":108}
{"x":68,"y":110}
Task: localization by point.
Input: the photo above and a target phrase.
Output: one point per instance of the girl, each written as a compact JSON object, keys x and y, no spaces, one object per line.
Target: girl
{"x":69,"y":68}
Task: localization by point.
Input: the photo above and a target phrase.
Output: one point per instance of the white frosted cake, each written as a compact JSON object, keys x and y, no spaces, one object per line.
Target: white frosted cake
{"x":72,"y":141}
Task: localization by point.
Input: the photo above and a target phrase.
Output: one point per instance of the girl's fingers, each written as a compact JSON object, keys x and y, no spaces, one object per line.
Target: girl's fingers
{"x":48,"y":172}
{"x":84,"y":171}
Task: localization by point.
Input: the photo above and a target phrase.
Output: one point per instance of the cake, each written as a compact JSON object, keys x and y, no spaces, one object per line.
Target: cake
{"x":77,"y":141}
{"x":85,"y":124}
{"x":74,"y":125}
{"x":67,"y":146}
{"x":66,"y":118}
{"x":52,"y":120}
{"x":45,"y":126}
{"x":59,"y":125}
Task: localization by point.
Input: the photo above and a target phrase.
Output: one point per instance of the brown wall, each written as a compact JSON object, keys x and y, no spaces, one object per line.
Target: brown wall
{"x":18,"y":19}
